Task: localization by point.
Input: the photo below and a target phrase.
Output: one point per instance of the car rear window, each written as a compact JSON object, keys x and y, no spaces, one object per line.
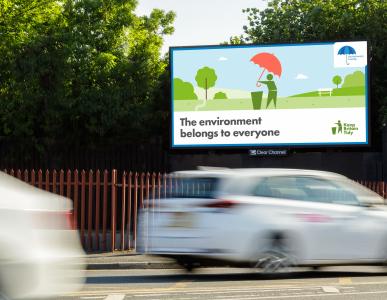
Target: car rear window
{"x":193,"y":187}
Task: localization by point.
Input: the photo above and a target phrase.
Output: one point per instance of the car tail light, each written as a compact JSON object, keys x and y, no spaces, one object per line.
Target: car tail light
{"x":222,"y":204}
{"x":70,"y":219}
{"x":60,"y":220}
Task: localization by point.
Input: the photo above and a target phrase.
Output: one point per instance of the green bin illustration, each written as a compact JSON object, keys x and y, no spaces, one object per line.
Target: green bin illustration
{"x":256,"y":98}
{"x":334,"y":130}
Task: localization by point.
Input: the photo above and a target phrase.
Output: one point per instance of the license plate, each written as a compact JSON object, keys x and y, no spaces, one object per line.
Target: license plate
{"x":181,"y":220}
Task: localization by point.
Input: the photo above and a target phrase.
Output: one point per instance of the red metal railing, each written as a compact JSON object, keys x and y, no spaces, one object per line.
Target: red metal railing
{"x":106,"y":203}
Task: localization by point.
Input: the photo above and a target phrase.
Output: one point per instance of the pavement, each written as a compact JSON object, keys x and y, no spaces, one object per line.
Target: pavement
{"x":123,"y":260}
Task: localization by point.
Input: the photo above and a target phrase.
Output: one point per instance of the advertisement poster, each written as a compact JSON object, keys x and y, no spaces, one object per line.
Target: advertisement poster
{"x":269,"y":95}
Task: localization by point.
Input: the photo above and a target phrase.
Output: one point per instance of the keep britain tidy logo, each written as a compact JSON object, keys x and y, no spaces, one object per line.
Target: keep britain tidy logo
{"x":351,"y":54}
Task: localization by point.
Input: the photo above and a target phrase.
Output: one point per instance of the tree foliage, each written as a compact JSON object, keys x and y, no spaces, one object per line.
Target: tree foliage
{"x":206,"y":78}
{"x":80,"y":71}
{"x":326,"y":20}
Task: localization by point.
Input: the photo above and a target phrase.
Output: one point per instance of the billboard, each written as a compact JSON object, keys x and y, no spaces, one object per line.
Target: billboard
{"x":269,"y":95}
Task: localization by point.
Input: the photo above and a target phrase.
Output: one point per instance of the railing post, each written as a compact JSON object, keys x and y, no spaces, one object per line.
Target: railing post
{"x":385,"y":190}
{"x":97,"y":205}
{"x":33,"y":177}
{"x":54,"y":175}
{"x":61,"y":182}
{"x":47,"y":180}
{"x":129,"y":218}
{"x":76,"y":185}
{"x":135,"y":210}
{"x":153,"y":189}
{"x":104,"y":209}
{"x":40,"y":179}
{"x":123,"y":210}
{"x":113,"y":206}
{"x":83,"y":196}
{"x":25,"y":177}
{"x":147,"y":190}
{"x":90,"y":211}
{"x":142,"y":186}
{"x":68,"y":184}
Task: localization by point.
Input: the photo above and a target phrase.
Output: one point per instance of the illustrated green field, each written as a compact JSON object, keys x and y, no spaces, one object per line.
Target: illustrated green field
{"x":282,"y":103}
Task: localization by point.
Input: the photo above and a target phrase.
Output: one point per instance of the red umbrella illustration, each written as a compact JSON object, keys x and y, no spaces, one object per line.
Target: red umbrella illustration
{"x":268,"y":62}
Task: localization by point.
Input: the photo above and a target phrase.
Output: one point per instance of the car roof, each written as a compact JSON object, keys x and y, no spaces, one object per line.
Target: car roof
{"x":256,"y":172}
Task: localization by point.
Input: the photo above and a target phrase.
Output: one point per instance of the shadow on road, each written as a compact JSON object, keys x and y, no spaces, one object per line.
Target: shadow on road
{"x":170,"y":278}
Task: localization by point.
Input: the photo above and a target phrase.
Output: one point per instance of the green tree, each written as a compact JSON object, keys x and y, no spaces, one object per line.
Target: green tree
{"x":220,"y":95}
{"x":337,"y":80}
{"x":80,"y":71}
{"x":183,"y":90}
{"x":206,"y":78}
{"x":319,"y":20}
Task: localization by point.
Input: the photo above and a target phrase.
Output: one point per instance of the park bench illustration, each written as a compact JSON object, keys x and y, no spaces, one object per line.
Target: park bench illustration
{"x":325,"y":90}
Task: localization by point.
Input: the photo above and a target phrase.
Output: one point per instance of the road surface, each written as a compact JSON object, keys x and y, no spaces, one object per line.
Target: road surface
{"x":339,"y":283}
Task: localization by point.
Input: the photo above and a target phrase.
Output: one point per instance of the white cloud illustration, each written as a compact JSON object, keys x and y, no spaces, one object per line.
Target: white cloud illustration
{"x":222,"y":58}
{"x":301,"y":77}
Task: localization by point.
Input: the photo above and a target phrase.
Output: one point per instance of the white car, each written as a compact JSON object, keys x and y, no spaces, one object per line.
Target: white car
{"x":266,"y":218}
{"x":40,"y":252}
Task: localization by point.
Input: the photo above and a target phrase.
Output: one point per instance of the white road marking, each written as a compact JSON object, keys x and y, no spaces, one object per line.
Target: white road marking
{"x":115,"y":297}
{"x":330,"y":289}
{"x":93,"y":297}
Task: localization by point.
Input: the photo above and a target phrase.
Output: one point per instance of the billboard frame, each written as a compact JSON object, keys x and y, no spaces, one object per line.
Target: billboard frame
{"x":329,"y":145}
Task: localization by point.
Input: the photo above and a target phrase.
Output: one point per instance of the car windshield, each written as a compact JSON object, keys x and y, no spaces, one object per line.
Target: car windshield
{"x":193,"y":187}
{"x":363,"y":194}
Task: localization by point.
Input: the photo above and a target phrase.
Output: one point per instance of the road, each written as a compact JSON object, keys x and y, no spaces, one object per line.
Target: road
{"x":243,"y":284}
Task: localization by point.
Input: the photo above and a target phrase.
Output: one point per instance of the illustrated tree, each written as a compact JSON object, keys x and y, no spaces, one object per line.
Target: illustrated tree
{"x":337,"y":80}
{"x":220,"y":95}
{"x":183,"y":90}
{"x":357,"y":78}
{"x":326,"y":20}
{"x":206,"y":78}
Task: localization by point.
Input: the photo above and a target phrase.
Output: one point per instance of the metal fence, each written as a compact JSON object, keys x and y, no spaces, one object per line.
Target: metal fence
{"x":106,"y":202}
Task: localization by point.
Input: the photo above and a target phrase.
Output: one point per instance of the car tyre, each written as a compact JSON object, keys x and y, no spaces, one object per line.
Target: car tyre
{"x":188,"y":265}
{"x":277,"y":257}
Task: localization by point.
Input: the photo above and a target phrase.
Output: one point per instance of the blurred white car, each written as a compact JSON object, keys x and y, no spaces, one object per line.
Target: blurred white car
{"x":40,"y":252}
{"x":266,"y":218}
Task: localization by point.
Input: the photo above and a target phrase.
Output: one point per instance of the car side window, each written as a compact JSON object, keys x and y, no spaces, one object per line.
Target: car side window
{"x":324,"y":190}
{"x":305,"y":188}
{"x":280,"y":187}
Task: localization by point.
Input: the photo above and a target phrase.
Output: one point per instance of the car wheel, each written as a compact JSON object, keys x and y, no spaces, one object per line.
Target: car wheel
{"x":188,"y":265}
{"x":277,"y":257}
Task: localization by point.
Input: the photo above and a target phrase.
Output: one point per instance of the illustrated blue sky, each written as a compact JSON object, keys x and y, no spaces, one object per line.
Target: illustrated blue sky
{"x":314,"y":62}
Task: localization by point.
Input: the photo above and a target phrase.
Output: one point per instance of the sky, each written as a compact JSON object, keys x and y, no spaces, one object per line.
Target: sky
{"x":202,"y":22}
{"x":305,"y":68}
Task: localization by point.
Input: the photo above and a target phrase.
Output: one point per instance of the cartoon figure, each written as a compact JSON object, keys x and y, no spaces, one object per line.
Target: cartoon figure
{"x":272,"y":95}
{"x":268,"y":62}
{"x":340,"y":127}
